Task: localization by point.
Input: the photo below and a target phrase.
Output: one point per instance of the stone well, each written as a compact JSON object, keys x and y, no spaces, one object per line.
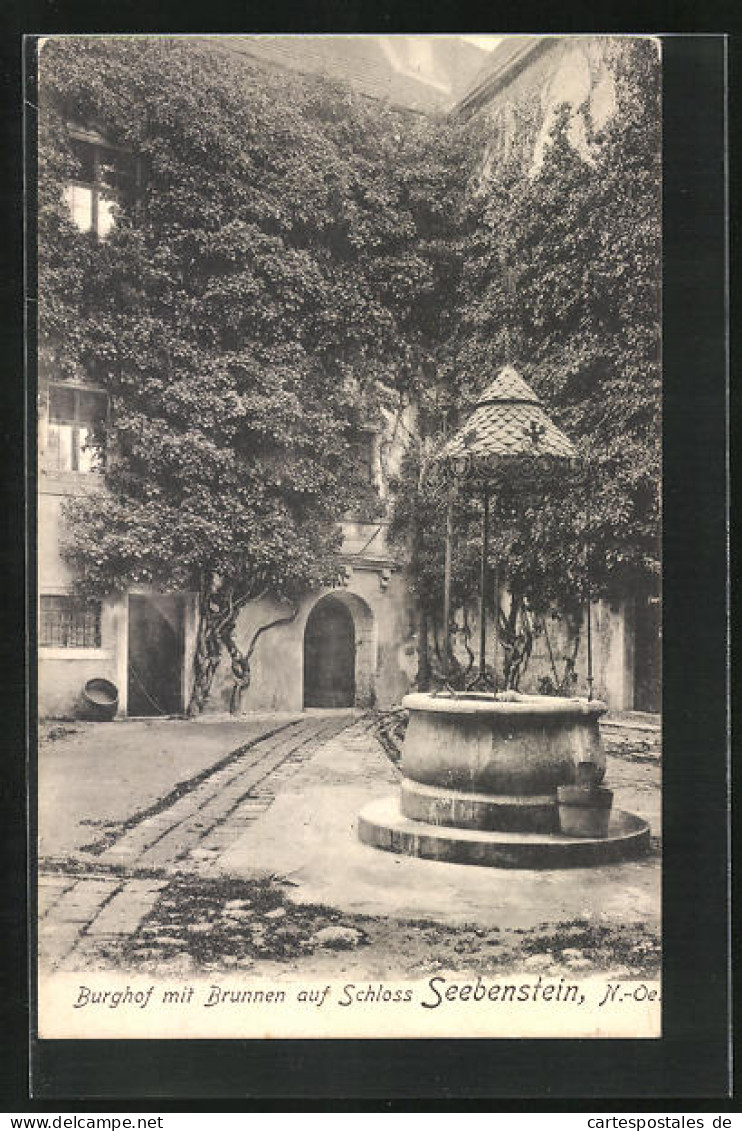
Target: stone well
{"x":480,"y":779}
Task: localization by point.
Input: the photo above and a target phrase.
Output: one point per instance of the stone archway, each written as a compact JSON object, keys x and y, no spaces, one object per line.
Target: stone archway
{"x":339,"y":653}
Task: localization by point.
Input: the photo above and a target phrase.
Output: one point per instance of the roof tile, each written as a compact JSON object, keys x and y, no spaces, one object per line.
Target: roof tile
{"x":509,"y":420}
{"x":508,"y":385}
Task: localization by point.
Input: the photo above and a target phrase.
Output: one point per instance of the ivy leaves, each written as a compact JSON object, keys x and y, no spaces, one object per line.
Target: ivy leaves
{"x":282,"y":264}
{"x":299,"y":260}
{"x":564,"y":283}
{"x":559,"y":276}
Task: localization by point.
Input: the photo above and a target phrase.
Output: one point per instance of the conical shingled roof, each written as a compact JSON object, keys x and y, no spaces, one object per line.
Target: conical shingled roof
{"x":508,"y":420}
{"x":508,"y":385}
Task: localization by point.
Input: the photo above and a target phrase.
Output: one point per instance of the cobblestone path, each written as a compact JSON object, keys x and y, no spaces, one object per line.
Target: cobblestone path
{"x":106,"y":889}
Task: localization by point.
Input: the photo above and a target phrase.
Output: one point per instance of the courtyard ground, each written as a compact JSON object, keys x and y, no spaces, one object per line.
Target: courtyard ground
{"x":177,"y":847}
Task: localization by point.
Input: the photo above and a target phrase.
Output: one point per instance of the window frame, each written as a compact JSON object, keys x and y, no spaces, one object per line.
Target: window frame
{"x":368,"y":436}
{"x":77,"y":388}
{"x":99,"y":146}
{"x":72,"y":625}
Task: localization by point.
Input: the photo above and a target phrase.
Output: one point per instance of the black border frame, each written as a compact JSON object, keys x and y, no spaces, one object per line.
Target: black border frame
{"x":691,"y":1060}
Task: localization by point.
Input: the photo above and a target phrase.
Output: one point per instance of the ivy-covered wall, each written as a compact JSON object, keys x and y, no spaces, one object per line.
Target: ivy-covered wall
{"x":301,"y":259}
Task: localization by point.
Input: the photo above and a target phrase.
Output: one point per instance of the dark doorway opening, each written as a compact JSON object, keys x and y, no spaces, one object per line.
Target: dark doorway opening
{"x":329,"y":656}
{"x":648,"y":653}
{"x":156,"y":640}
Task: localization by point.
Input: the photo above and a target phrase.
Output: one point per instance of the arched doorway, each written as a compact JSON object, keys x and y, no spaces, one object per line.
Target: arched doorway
{"x":330,"y":655}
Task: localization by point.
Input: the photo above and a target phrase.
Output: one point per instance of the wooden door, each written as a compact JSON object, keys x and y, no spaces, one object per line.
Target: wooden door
{"x":156,"y":636}
{"x":648,"y":654}
{"x":329,"y":656}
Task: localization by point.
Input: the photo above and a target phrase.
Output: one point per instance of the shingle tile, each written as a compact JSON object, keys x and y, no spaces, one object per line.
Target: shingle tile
{"x":509,"y":419}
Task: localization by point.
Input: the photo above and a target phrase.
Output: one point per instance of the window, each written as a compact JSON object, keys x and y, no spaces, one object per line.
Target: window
{"x":69,"y":622}
{"x":75,"y":415}
{"x":363,"y":454}
{"x":106,"y":176}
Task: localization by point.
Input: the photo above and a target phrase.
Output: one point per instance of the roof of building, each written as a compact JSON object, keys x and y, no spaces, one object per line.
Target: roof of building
{"x":511,"y":56}
{"x":423,"y":73}
{"x":509,"y":420}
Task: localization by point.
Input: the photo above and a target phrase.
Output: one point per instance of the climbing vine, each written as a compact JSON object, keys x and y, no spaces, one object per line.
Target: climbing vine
{"x":298,"y":261}
{"x":269,"y":292}
{"x":560,"y":278}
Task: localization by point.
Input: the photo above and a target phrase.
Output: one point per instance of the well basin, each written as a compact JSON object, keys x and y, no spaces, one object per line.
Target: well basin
{"x":517,"y":745}
{"x":480,"y":781}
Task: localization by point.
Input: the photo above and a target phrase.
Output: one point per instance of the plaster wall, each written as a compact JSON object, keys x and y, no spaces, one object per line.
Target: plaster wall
{"x":520,"y":110}
{"x":576,"y":70}
{"x":54,"y":575}
{"x":612,"y":653}
{"x":384,"y":616}
{"x":63,"y":672}
{"x":386,"y":647}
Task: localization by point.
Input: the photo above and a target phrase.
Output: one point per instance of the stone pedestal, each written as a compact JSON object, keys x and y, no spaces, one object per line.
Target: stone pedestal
{"x":480,"y":781}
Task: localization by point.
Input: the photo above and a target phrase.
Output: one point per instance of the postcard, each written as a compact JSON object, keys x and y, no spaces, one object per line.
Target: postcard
{"x":349,"y":536}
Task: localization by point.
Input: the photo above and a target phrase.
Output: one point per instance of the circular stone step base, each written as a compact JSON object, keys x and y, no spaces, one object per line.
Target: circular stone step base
{"x":532,"y":813}
{"x":382,"y":825}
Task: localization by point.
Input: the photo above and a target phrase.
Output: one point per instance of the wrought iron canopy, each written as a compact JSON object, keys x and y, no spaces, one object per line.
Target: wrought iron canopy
{"x":508,"y":420}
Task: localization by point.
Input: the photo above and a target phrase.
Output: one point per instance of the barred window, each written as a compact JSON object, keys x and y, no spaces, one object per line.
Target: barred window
{"x":69,"y":622}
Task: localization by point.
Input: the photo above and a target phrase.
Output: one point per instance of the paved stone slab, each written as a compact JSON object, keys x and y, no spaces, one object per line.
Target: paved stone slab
{"x":83,"y":915}
{"x":309,"y":835}
{"x":108,"y":771}
{"x":82,"y":901}
{"x":123,"y":914}
{"x":50,"y":888}
{"x":61,"y":927}
{"x":153,"y":840}
{"x":289,"y":806}
{"x":250,"y":777}
{"x":56,"y":942}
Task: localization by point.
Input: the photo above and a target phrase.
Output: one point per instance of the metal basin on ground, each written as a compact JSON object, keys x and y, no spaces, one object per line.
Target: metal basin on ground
{"x":100,"y":700}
